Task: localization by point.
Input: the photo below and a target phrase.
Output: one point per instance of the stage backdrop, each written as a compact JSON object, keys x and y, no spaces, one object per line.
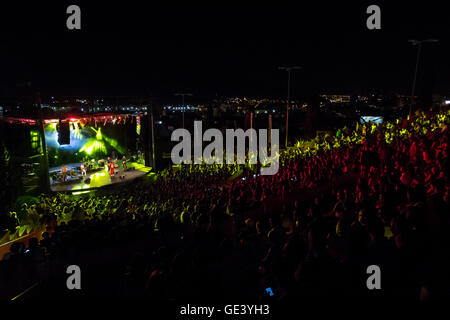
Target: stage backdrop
{"x":90,"y":142}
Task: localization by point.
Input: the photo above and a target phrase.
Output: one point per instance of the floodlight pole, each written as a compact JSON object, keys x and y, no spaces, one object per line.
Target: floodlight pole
{"x":288,"y":70}
{"x":182,"y":101}
{"x":419,"y":49}
{"x":153,"y":143}
{"x":45,"y":174}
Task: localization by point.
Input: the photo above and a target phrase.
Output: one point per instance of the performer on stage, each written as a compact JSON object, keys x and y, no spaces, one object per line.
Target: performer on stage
{"x":111,"y":168}
{"x":83,"y":170}
{"x":124,"y":163}
{"x":124,"y":167}
{"x":108,"y":164}
{"x":64,"y":172}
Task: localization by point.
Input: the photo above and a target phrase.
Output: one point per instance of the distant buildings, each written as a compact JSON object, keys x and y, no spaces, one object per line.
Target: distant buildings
{"x":336,"y":98}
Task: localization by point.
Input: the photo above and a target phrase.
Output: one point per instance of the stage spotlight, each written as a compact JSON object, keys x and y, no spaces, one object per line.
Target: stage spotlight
{"x":99,"y":134}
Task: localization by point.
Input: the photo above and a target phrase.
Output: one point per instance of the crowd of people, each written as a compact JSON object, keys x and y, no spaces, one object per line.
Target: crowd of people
{"x":368,"y":195}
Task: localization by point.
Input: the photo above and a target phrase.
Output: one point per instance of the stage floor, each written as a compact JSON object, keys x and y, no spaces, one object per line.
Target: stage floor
{"x":101,"y":178}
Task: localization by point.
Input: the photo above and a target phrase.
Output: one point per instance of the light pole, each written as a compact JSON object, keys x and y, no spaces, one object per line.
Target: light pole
{"x":419,"y":48}
{"x":182,"y":99}
{"x":44,"y":158}
{"x":153,"y":141}
{"x":288,"y":70}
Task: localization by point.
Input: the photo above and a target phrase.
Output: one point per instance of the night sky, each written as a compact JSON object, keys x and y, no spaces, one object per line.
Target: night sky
{"x":228,"y":49}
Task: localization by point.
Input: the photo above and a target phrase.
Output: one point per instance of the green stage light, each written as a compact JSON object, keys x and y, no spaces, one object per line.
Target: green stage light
{"x":93,"y":146}
{"x":113,"y":143}
{"x":99,"y":134}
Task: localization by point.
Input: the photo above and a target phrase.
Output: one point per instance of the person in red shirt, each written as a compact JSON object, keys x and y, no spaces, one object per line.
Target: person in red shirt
{"x":111,"y":168}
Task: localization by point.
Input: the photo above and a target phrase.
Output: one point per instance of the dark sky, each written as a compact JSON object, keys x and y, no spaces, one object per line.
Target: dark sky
{"x":223,"y":48}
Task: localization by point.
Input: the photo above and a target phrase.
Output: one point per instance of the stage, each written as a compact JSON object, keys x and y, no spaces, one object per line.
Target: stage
{"x":99,"y":178}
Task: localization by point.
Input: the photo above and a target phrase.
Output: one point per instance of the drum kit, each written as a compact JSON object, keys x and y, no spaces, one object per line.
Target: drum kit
{"x":72,"y":174}
{"x":60,"y":177}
